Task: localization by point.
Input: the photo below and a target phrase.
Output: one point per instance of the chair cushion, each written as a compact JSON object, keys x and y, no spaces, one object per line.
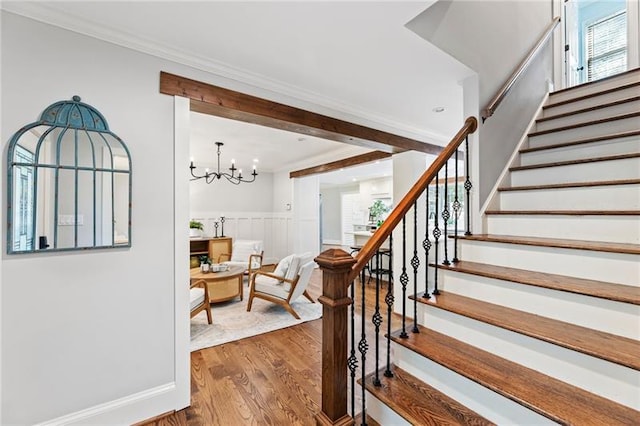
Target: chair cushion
{"x":271,"y":286}
{"x":243,"y":248}
{"x":196,"y":297}
{"x":283,"y":266}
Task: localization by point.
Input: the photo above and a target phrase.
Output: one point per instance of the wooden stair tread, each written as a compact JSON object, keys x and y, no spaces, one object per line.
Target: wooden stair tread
{"x":593,"y":288}
{"x":586,"y":123}
{"x":609,"y":247}
{"x":566,"y":212}
{"x":616,"y":349}
{"x":592,"y":108}
{"x":418,"y":403}
{"x":550,"y":397}
{"x":594,"y":82}
{"x":572,"y":162}
{"x":571,"y":185}
{"x":582,"y":141}
{"x":551,"y":104}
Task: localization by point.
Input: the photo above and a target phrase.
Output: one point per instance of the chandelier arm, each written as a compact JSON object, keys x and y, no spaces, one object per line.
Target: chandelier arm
{"x":209,"y":177}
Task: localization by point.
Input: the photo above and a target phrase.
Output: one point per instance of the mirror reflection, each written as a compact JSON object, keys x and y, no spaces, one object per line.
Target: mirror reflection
{"x":69,"y":183}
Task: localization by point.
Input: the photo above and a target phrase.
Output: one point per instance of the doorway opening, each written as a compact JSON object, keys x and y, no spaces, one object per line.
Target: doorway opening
{"x":596,"y":40}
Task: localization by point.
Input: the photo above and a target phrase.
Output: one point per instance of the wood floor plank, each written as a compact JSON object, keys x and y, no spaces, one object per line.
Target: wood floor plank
{"x":616,"y":349}
{"x":545,"y":395}
{"x":421,"y":404}
{"x":625,"y":248}
{"x":593,"y":288}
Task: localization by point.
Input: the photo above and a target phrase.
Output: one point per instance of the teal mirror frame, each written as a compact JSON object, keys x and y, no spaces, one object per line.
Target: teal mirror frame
{"x":68,"y":183}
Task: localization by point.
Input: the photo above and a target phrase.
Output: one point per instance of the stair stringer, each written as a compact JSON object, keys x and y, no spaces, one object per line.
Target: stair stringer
{"x":493,"y":200}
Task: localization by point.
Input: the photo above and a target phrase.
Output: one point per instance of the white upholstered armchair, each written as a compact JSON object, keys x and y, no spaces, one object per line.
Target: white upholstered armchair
{"x":287,"y":282}
{"x":245,"y":253}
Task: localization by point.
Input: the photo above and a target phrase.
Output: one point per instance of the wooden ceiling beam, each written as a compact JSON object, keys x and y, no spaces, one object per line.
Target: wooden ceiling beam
{"x":215,"y":100}
{"x":340,"y":164}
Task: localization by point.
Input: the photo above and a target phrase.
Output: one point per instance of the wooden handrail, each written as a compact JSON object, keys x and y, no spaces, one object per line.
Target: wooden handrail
{"x":387,"y":227}
{"x":506,"y":87}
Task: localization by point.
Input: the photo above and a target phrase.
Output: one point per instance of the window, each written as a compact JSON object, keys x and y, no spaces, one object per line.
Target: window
{"x":607,"y":46}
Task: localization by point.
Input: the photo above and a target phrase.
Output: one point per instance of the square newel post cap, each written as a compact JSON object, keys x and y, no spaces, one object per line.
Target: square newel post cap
{"x":335,"y":261}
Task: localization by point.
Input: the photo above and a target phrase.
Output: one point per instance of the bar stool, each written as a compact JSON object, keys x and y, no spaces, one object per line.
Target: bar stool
{"x":354,"y":251}
{"x":381,"y":271}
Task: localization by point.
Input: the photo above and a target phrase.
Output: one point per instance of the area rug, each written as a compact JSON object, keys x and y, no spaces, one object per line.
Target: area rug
{"x":231,"y":321}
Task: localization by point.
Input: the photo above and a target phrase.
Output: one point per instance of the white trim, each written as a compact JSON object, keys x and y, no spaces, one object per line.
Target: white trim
{"x":182,"y":368}
{"x":633,"y":34}
{"x":112,"y":412}
{"x":332,"y":242}
{"x":493,"y":198}
{"x":331,"y":106}
{"x":558,"y":46}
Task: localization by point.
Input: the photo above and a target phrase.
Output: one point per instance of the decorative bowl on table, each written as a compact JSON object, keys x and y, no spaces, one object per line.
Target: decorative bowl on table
{"x":216,"y":267}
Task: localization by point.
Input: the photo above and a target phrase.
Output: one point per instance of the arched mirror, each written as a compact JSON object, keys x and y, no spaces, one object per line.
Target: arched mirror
{"x":69,"y":183}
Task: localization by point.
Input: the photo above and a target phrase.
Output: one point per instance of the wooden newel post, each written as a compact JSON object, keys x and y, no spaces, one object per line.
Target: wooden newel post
{"x":336,"y":265}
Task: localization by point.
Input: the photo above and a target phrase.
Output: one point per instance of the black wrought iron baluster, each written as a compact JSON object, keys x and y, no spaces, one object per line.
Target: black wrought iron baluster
{"x":415,"y":264}
{"x":445,"y":213}
{"x":456,"y":213}
{"x":377,"y":320}
{"x":404,"y":279}
{"x":436,"y":235}
{"x":389,"y":301}
{"x":426,"y":244}
{"x":363,"y":347}
{"x":352,"y":361}
{"x":467,"y":186}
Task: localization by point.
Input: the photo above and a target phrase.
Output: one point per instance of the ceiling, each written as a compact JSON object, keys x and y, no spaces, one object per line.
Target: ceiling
{"x":352,"y":60}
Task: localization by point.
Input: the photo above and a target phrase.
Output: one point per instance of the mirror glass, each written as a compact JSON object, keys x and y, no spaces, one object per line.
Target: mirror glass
{"x":69,"y":183}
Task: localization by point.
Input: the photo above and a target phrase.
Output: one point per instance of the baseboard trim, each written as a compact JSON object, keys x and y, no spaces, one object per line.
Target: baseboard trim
{"x":155,"y":418}
{"x":110,"y":411}
{"x":332,"y":242}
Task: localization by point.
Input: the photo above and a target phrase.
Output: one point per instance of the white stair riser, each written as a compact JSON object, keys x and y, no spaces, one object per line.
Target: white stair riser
{"x":611,"y":111}
{"x":583,"y":90}
{"x":580,"y":152}
{"x":595,"y":375}
{"x":622,"y":197}
{"x":590,"y":131}
{"x":483,"y":401}
{"x":617,"y":229}
{"x":610,"y":267}
{"x":382,"y":414}
{"x":627,"y":168}
{"x":590,"y":102}
{"x":598,"y":314}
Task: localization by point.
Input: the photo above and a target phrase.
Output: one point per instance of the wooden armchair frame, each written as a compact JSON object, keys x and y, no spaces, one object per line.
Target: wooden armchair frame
{"x":259,"y":256}
{"x":205,"y":305}
{"x":285,"y":303}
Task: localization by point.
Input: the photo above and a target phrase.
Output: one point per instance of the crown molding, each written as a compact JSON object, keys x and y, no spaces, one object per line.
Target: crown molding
{"x":332,"y":107}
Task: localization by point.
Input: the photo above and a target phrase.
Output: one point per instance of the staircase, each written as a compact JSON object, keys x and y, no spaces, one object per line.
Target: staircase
{"x":539,"y":323}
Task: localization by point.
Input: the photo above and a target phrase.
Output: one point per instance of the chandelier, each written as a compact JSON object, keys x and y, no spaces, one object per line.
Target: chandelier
{"x":209,"y":176}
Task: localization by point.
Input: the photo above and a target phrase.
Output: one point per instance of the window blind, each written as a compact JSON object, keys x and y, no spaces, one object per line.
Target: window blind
{"x":607,"y":46}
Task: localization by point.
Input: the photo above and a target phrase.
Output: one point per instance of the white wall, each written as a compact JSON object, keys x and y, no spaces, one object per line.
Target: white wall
{"x":99,"y":347}
{"x":332,"y":211}
{"x":224,"y":196}
{"x":91,"y":327}
{"x":490,"y":37}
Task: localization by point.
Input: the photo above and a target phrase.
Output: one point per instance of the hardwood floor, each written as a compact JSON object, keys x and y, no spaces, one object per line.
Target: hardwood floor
{"x":269,"y":379}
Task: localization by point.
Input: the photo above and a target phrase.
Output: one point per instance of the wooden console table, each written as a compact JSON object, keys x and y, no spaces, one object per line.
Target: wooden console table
{"x":212,"y":247}
{"x":223,"y":286}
